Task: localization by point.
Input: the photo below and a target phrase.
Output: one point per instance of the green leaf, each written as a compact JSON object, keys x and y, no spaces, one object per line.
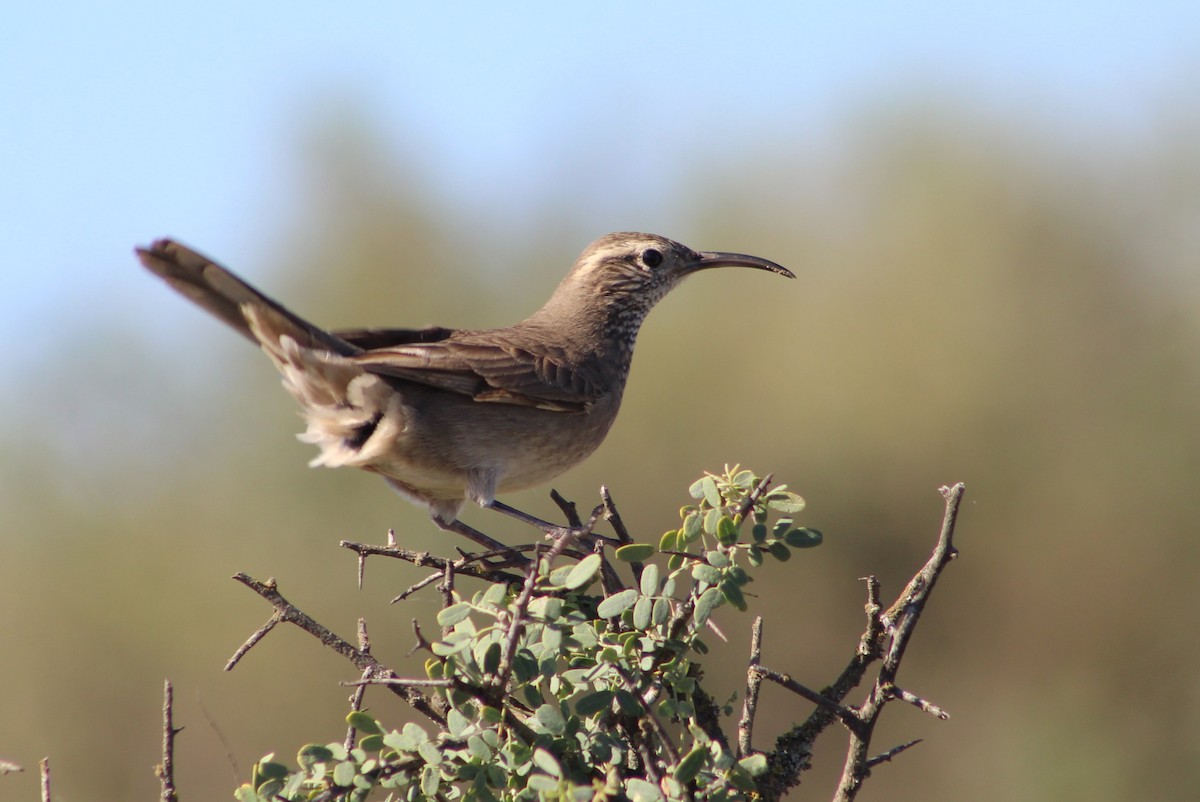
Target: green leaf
{"x":785,"y":502}
{"x":662,"y":611}
{"x":755,"y":555}
{"x":583,"y":571}
{"x":691,"y":764}
{"x":343,"y":773}
{"x":494,"y":595}
{"x":546,"y":762}
{"x":479,"y":748}
{"x":630,"y":705}
{"x":642,"y":791}
{"x":780,"y":552}
{"x":803,"y":538}
{"x":543,"y":783}
{"x":741,"y":781}
{"x":635,"y":552}
{"x":453,"y":614}
{"x":744,"y":479}
{"x":591,"y":703}
{"x":733,"y":595}
{"x":491,"y":658}
{"x":712,"y":495}
{"x":649,"y":582}
{"x":669,"y":541}
{"x":270,"y":770}
{"x":709,"y":600}
{"x":702,"y":572}
{"x":430,"y":779}
{"x":457,"y":723}
{"x":551,"y":718}
{"x":754,"y":765}
{"x":430,"y":753}
{"x":312,"y":754}
{"x":641,"y":613}
{"x":696,"y":489}
{"x":727,"y":533}
{"x":364,"y":723}
{"x":693,"y":526}
{"x":617,"y":603}
{"x":759,"y":533}
{"x":371,"y":743}
{"x":717,"y":559}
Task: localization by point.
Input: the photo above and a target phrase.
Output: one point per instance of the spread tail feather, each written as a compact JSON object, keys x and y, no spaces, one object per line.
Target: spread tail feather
{"x":352,"y":416}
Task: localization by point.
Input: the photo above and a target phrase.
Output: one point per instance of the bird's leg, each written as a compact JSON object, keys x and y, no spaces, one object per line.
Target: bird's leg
{"x":471,"y":533}
{"x":553,"y":530}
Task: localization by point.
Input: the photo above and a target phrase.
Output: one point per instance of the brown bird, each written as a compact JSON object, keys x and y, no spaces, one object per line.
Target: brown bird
{"x":446,"y":415}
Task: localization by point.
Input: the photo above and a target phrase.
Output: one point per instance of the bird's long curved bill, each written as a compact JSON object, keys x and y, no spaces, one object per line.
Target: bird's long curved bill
{"x":718,"y":259}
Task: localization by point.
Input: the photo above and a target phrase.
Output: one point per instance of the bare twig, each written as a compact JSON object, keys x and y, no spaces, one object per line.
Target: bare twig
{"x":891,"y":753}
{"x":44,"y":773}
{"x":517,"y":623}
{"x":472,"y":565}
{"x":421,"y":643}
{"x":915,"y":701}
{"x":406,"y":682}
{"x":447,"y":586}
{"x":364,"y":661}
{"x":901,"y":621}
{"x":568,"y":509}
{"x":793,"y":750}
{"x":752,"y":498}
{"x":356,"y":698}
{"x":166,"y":769}
{"x":613,"y":517}
{"x":753,"y":684}
{"x":843,"y":714}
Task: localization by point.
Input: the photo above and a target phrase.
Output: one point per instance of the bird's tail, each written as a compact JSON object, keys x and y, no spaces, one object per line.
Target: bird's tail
{"x":344,"y":407}
{"x":227,"y":297}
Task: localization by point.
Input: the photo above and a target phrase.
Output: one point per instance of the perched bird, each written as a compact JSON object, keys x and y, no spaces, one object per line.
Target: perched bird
{"x":447,"y":415}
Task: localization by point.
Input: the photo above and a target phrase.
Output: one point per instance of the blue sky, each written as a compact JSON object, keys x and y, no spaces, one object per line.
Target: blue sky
{"x":121,"y":122}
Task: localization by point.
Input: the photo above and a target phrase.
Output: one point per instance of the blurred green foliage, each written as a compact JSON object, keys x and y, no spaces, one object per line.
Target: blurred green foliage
{"x":977,"y":301}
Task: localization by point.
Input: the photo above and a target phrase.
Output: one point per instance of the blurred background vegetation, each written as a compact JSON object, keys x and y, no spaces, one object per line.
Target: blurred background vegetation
{"x":981,"y":297}
{"x":970,"y":306}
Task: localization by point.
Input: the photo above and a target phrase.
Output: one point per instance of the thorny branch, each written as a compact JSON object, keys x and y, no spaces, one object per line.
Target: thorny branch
{"x":886,"y":637}
{"x":361,"y":658}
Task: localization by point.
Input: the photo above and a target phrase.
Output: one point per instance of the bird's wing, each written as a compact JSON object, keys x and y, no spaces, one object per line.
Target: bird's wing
{"x":499,"y":373}
{"x":371,"y":339}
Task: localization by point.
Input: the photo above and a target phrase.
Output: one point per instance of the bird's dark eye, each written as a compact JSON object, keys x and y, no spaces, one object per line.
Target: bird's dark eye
{"x":652,"y":257}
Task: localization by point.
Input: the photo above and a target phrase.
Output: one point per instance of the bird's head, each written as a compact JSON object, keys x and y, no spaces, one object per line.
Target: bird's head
{"x":628,"y":273}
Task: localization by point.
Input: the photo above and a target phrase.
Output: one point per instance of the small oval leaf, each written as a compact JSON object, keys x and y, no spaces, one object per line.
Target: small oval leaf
{"x":583,"y":572}
{"x":649,"y":581}
{"x":691,"y":764}
{"x":703,"y":572}
{"x":709,"y":600}
{"x":727,"y":533}
{"x":641,"y":613}
{"x":634,"y":552}
{"x":803,"y":538}
{"x":364,"y":723}
{"x":453,"y":614}
{"x":617,"y":603}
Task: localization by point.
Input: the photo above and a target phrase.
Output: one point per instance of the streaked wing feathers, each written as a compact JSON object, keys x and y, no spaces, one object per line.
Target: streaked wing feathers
{"x":488,"y":373}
